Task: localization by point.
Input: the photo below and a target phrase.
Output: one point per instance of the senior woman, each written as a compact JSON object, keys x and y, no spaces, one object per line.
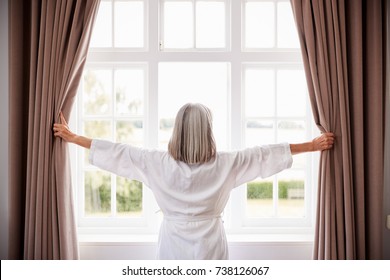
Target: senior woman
{"x":191,"y":181}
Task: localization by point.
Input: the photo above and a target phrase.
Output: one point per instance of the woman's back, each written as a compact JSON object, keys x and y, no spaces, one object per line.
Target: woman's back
{"x":191,"y":196}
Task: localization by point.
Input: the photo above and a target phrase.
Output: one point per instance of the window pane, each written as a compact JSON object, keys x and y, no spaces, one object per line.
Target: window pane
{"x":287,"y":32}
{"x":197,"y":82}
{"x":129,"y":24}
{"x":259,"y":132}
{"x":291,"y":185}
{"x":259,"y":25}
{"x":128,"y":197}
{"x":291,"y":92}
{"x":178,"y":25}
{"x":260,"y":198}
{"x":129,"y":91}
{"x":97,"y":193}
{"x":130,"y":132}
{"x":259,"y":93}
{"x":97,"y":92}
{"x":102,"y":29}
{"x":210,"y":24}
{"x":96,"y":129}
{"x":293,"y":132}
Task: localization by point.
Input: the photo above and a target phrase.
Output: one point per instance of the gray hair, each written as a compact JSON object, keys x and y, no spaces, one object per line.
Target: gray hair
{"x":192,"y":140}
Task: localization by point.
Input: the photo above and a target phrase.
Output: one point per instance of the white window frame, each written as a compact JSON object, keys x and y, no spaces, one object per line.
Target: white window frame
{"x":250,"y":222}
{"x":114,"y":49}
{"x":227,"y":30}
{"x":238,"y":58}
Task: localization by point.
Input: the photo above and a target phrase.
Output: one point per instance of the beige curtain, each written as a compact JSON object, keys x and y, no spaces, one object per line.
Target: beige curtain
{"x":343,"y":48}
{"x":48,"y":47}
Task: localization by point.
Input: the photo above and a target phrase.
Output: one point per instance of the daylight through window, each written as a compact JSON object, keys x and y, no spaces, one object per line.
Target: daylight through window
{"x":240,"y":58}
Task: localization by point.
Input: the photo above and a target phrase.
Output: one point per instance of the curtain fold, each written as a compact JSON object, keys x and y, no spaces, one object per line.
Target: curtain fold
{"x":55,"y":36}
{"x":343,"y":50}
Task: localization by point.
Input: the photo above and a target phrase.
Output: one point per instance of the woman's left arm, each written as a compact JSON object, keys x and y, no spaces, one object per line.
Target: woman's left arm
{"x":323,"y":142}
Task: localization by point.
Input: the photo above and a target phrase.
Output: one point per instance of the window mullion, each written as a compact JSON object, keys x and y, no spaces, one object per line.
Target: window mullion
{"x":275,"y":24}
{"x":152,"y":58}
{"x":113,"y":132}
{"x":113,"y":24}
{"x":151,"y":103}
{"x":194,"y":24}
{"x":276,"y":139}
{"x":236,"y":122}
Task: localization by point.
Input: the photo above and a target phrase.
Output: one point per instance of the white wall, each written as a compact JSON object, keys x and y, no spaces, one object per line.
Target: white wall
{"x":3,"y":129}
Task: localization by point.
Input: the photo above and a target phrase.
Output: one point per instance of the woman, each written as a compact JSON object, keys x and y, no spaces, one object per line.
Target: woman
{"x":191,"y":181}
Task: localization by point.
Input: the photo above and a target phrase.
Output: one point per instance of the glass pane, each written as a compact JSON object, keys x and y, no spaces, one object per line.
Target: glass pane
{"x":196,"y":82}
{"x":259,"y":132}
{"x":97,"y":92}
{"x":259,"y":93}
{"x":178,"y":25}
{"x":129,"y":91}
{"x":96,"y":129}
{"x":293,"y":132}
{"x":128,"y":197}
{"x":165,"y":132}
{"x":102,"y":29}
{"x":291,"y":192}
{"x":287,"y":32}
{"x":291,"y":93}
{"x":130,"y":132}
{"x":97,"y":193}
{"x":259,"y":24}
{"x":260,"y":199}
{"x":210,"y":24}
{"x":129,"y":24}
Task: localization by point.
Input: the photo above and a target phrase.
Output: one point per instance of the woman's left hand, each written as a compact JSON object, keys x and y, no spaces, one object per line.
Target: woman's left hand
{"x":62,"y":130}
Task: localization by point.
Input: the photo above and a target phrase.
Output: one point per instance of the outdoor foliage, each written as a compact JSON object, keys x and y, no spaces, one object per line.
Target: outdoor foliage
{"x":98,"y":193}
{"x":128,"y":195}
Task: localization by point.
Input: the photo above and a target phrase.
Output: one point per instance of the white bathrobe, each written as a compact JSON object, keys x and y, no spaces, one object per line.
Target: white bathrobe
{"x":191,"y":196}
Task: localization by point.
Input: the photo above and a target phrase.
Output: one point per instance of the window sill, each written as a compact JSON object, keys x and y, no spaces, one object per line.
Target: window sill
{"x":150,"y":239}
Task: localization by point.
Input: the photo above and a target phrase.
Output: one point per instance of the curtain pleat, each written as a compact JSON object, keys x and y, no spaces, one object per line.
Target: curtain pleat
{"x":55,"y":52}
{"x":342,"y":50}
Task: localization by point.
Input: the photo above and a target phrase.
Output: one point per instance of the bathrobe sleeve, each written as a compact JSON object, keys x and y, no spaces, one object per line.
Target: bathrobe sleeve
{"x":121,"y":159}
{"x":262,"y":162}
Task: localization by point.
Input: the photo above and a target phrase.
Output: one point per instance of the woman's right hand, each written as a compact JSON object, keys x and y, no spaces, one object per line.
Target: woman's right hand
{"x":323,"y":142}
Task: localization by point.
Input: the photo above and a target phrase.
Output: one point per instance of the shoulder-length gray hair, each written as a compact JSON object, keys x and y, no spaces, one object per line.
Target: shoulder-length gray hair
{"x":192,"y":140}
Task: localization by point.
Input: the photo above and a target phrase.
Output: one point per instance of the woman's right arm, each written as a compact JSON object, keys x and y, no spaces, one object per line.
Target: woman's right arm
{"x":62,"y":130}
{"x":323,"y":142}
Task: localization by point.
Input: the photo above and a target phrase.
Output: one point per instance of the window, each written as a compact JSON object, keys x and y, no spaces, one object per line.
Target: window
{"x":240,"y":58}
{"x":276,"y":111}
{"x":268,"y":24}
{"x":194,"y":24}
